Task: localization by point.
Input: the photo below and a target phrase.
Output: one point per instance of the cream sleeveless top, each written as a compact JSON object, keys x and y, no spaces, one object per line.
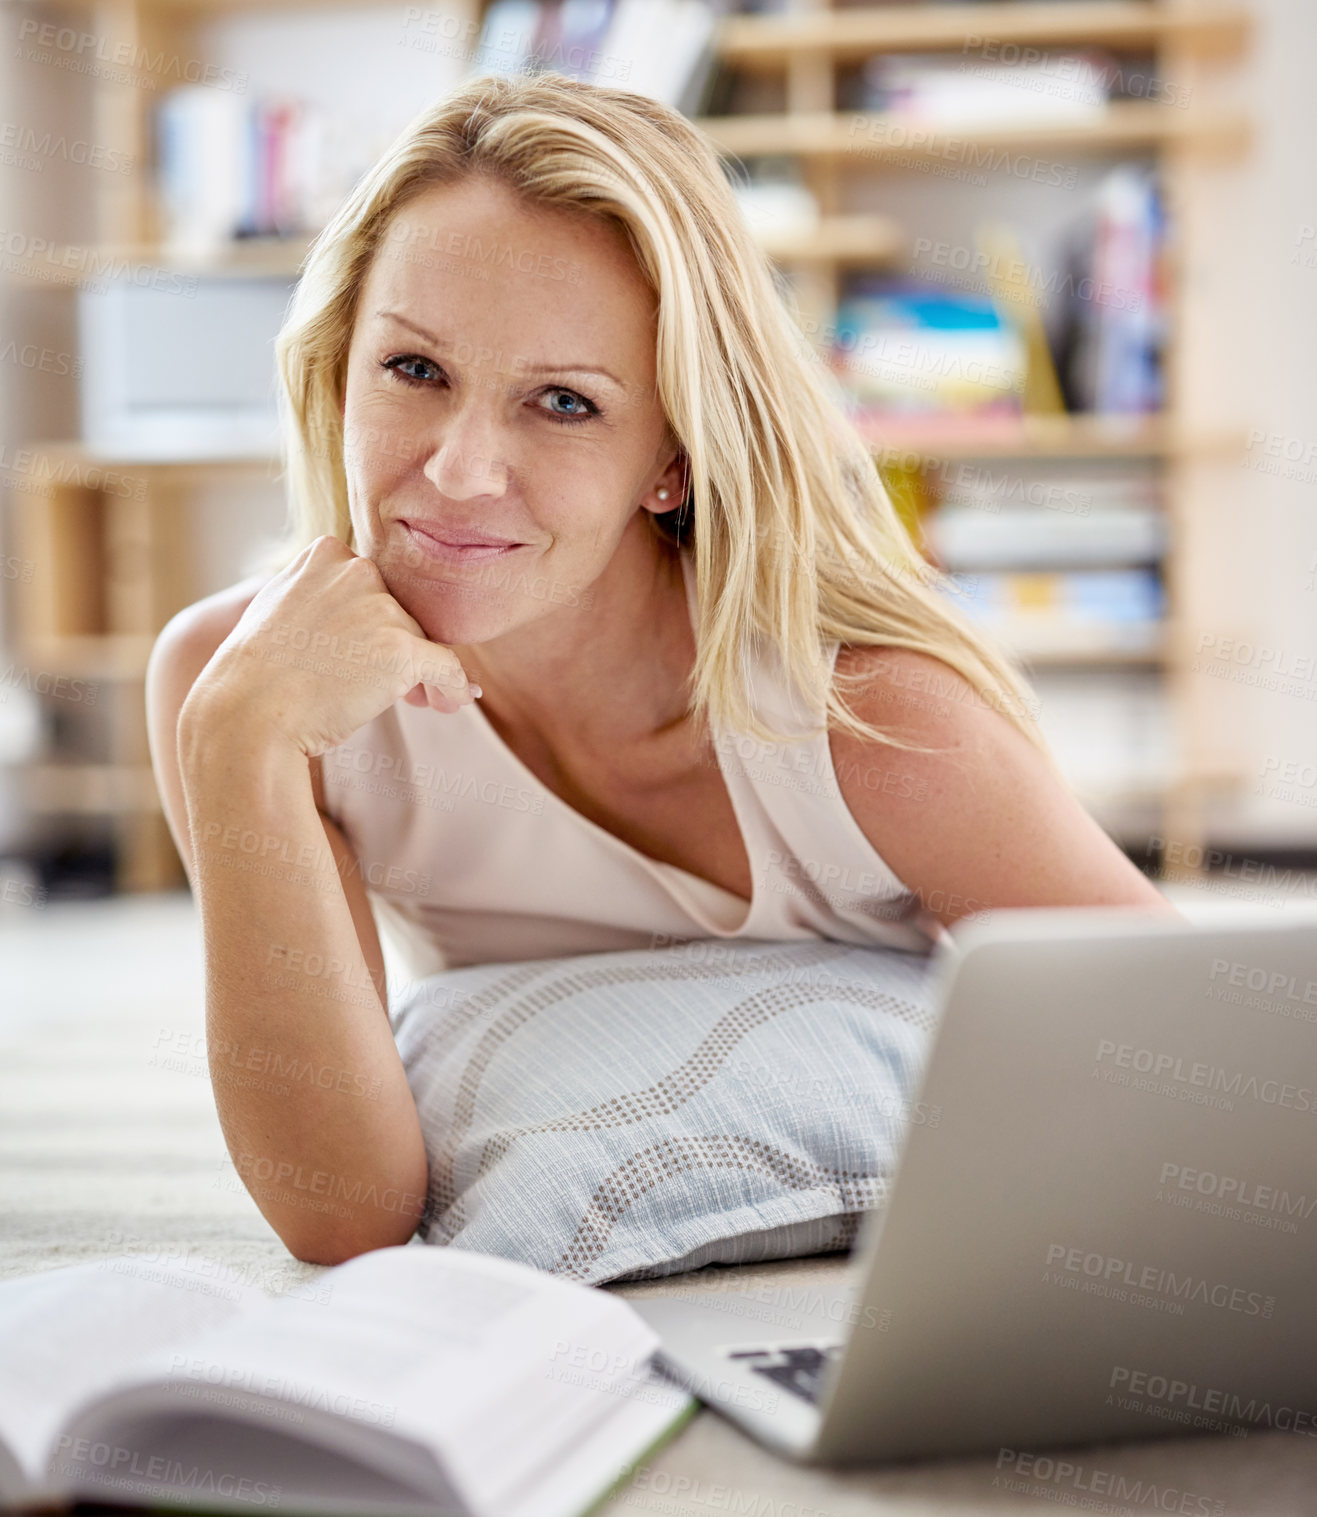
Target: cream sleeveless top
{"x":468,"y":858}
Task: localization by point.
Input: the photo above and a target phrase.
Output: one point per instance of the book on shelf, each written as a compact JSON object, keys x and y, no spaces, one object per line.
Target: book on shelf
{"x":968,"y":90}
{"x":1072,"y":612}
{"x":1077,"y":487}
{"x":1045,"y":516}
{"x":407,"y":1382}
{"x":1007,"y":274}
{"x":908,"y":349}
{"x":230,"y":167}
{"x":659,"y":48}
{"x":1107,"y":327}
{"x":1032,"y":537}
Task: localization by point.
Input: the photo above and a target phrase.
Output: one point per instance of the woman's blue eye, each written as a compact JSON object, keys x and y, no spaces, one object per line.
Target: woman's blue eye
{"x":579,"y":415}
{"x":586,"y":407}
{"x":395,"y":365}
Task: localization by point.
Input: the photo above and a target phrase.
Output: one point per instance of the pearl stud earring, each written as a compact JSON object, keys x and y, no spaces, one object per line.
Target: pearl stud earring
{"x":662,"y":492}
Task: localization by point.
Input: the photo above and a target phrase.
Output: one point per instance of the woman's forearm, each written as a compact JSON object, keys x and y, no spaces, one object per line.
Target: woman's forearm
{"x":312,"y":1095}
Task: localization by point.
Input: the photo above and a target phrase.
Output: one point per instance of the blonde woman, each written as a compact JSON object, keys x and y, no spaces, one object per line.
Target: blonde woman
{"x":598,"y":631}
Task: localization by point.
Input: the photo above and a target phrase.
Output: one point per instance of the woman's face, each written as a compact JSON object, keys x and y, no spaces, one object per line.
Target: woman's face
{"x":500,"y":382}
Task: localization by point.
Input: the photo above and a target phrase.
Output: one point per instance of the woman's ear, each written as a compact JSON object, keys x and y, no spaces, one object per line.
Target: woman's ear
{"x":668,"y":491}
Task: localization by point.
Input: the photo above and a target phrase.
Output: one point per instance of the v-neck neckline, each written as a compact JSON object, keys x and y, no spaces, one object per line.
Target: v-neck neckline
{"x":673,"y":873}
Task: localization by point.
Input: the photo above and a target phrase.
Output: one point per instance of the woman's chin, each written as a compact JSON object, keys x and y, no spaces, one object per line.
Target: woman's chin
{"x":454,"y":621}
{"x":448,"y":610}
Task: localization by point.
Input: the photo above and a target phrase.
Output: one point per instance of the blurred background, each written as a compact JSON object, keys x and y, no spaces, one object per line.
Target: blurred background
{"x":1061,"y":254}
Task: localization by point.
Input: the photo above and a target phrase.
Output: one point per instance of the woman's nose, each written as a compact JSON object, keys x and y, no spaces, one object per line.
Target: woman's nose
{"x":466,"y":458}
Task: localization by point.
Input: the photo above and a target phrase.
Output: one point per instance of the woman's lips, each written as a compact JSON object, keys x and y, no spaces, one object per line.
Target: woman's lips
{"x":452,"y":552}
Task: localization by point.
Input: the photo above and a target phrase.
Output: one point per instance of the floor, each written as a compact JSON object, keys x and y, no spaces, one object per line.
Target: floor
{"x":109,"y":1144}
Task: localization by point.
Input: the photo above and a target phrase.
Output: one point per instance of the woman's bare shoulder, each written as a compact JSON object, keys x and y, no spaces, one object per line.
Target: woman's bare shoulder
{"x":203,"y":626}
{"x":891,"y":681}
{"x":186,"y":644}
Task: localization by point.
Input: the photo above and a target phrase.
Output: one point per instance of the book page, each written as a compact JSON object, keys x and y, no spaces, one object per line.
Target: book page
{"x":136,"y":1451}
{"x":453,"y":1351}
{"x":69,"y":1332}
{"x":642,"y":1414}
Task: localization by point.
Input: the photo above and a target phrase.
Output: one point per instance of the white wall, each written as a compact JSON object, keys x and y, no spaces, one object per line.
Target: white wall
{"x":1250,"y":360}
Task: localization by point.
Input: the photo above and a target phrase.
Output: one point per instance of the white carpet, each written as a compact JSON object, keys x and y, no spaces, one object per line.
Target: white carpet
{"x":109,"y":1144}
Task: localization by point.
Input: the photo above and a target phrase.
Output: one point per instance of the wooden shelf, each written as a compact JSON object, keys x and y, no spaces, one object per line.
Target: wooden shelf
{"x":773,"y":42}
{"x":1081,"y":658}
{"x":200,"y":11}
{"x":840,"y":239}
{"x":1038,"y":436}
{"x":109,"y":656}
{"x":90,"y":789}
{"x":873,"y":138}
{"x":73,"y":453}
{"x":71,"y":265}
{"x":1060,"y":437}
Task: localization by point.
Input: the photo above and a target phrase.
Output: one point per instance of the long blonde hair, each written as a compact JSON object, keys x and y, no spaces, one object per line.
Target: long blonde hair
{"x":796,"y":542}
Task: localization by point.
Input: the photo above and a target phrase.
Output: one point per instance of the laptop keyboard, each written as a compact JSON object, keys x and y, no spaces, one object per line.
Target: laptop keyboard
{"x":798,"y":1369}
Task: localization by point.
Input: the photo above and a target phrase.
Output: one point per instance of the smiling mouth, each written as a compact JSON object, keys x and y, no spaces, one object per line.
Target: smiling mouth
{"x":456,"y":550}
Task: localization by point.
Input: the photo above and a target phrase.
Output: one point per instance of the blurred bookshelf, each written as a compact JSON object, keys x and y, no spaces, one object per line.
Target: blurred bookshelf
{"x":804,"y":103}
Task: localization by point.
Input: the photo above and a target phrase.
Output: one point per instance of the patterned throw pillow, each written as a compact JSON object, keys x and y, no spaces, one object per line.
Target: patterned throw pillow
{"x":630,"y":1114}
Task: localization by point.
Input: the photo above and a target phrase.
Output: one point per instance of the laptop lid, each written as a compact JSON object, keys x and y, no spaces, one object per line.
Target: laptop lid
{"x":1107,"y":1230}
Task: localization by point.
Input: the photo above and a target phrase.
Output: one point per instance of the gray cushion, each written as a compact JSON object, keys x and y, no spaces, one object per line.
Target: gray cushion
{"x":629,"y":1114}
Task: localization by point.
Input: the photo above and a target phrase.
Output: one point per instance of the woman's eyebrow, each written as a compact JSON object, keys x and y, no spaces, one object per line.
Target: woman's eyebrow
{"x":556,"y":368}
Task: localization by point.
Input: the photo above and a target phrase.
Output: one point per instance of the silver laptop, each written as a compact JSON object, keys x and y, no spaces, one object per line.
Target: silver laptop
{"x":1103,"y":1222}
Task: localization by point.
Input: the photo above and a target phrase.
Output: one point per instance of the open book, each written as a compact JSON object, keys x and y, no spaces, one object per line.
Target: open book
{"x":410,"y":1380}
